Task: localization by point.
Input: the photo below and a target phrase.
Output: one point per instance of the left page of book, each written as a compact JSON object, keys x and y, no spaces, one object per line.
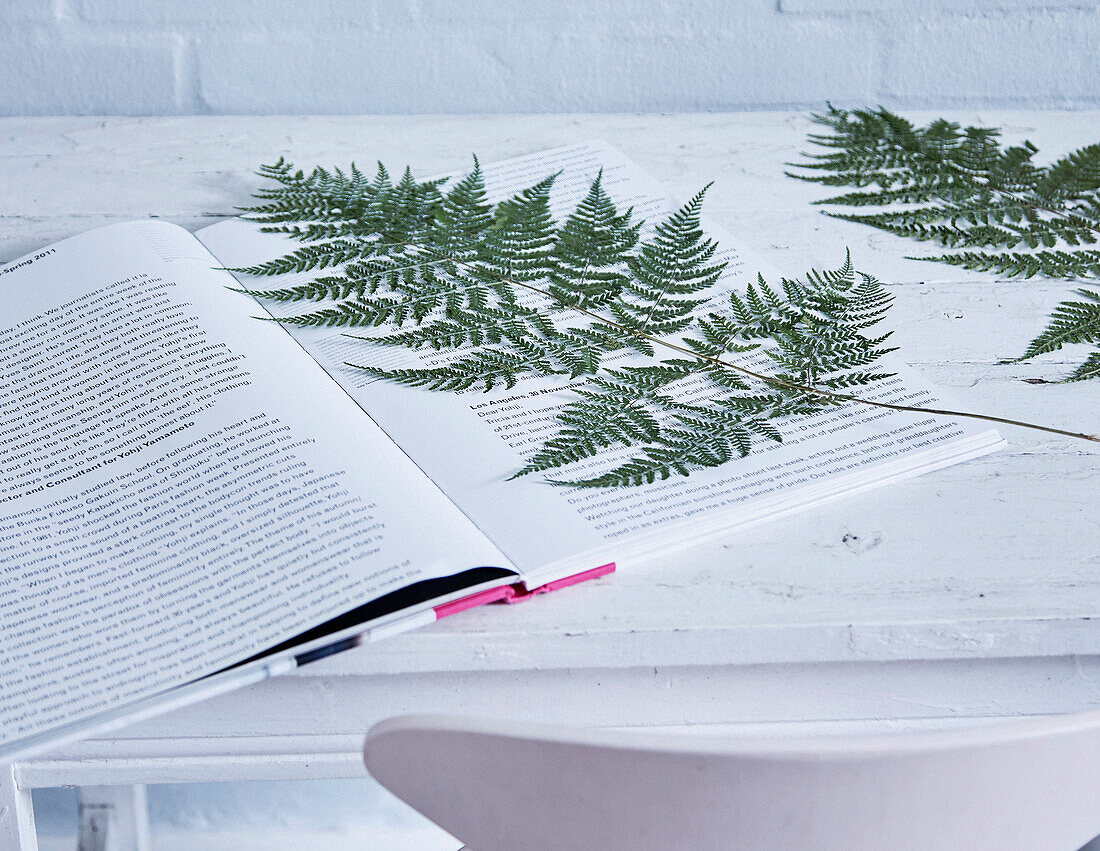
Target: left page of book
{"x":170,"y":501}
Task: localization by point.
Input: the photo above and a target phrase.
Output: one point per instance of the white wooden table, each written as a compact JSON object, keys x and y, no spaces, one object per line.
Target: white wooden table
{"x":966,"y":594}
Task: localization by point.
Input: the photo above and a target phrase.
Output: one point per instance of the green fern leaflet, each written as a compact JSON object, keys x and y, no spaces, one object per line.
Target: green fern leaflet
{"x":506,"y":293}
{"x":961,"y":189}
{"x":1072,"y":322}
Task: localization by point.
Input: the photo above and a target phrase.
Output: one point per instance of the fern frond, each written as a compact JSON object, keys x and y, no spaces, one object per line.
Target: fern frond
{"x":1053,"y":264}
{"x":505,"y":293}
{"x":589,"y":427}
{"x":679,"y":452}
{"x":1089,"y":369}
{"x":484,"y":369}
{"x":321,"y":256}
{"x":519,"y":244}
{"x":347,"y":314}
{"x":462,"y":217}
{"x":963,"y":189}
{"x":813,"y":330}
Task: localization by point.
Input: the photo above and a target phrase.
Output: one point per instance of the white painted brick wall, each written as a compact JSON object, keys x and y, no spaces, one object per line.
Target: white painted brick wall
{"x":423,"y":56}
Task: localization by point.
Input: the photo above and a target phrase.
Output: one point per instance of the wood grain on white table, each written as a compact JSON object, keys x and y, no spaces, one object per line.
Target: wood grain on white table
{"x":972,"y":591}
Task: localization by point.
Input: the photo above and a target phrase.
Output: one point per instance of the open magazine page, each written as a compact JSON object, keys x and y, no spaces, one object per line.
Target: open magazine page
{"x":470,"y":443}
{"x":182,"y":487}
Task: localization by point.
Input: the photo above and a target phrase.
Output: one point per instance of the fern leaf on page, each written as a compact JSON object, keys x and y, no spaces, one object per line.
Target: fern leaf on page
{"x":500,"y":293}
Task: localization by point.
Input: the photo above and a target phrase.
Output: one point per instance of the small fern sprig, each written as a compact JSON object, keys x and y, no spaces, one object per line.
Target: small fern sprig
{"x":961,"y":188}
{"x":1072,"y":322}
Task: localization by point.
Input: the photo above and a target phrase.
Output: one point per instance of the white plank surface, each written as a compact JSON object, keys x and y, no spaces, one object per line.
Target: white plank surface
{"x":974,"y":590}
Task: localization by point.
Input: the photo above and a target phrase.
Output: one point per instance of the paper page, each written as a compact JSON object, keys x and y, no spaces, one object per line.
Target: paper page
{"x":470,"y":443}
{"x":173,"y":499}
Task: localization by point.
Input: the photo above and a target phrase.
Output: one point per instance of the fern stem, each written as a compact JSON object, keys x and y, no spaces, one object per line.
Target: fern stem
{"x":828,"y":394}
{"x":846,"y":397}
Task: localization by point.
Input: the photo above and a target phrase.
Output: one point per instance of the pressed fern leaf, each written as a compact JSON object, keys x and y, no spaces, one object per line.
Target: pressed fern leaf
{"x":960,"y":188}
{"x":504,"y":293}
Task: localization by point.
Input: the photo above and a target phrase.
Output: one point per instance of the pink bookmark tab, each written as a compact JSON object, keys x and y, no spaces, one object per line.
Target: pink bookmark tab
{"x":481,"y":598}
{"x":517,"y":593}
{"x":558,"y":584}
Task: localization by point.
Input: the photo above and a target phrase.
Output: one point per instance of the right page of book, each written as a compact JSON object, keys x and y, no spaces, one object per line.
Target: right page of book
{"x":471,"y":442}
{"x":169,"y":505}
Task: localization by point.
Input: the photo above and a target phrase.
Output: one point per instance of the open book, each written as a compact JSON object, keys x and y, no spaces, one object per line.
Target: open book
{"x":193,"y":500}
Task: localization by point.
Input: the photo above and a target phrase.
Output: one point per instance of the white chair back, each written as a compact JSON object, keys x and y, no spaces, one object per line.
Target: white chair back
{"x":500,"y":786}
